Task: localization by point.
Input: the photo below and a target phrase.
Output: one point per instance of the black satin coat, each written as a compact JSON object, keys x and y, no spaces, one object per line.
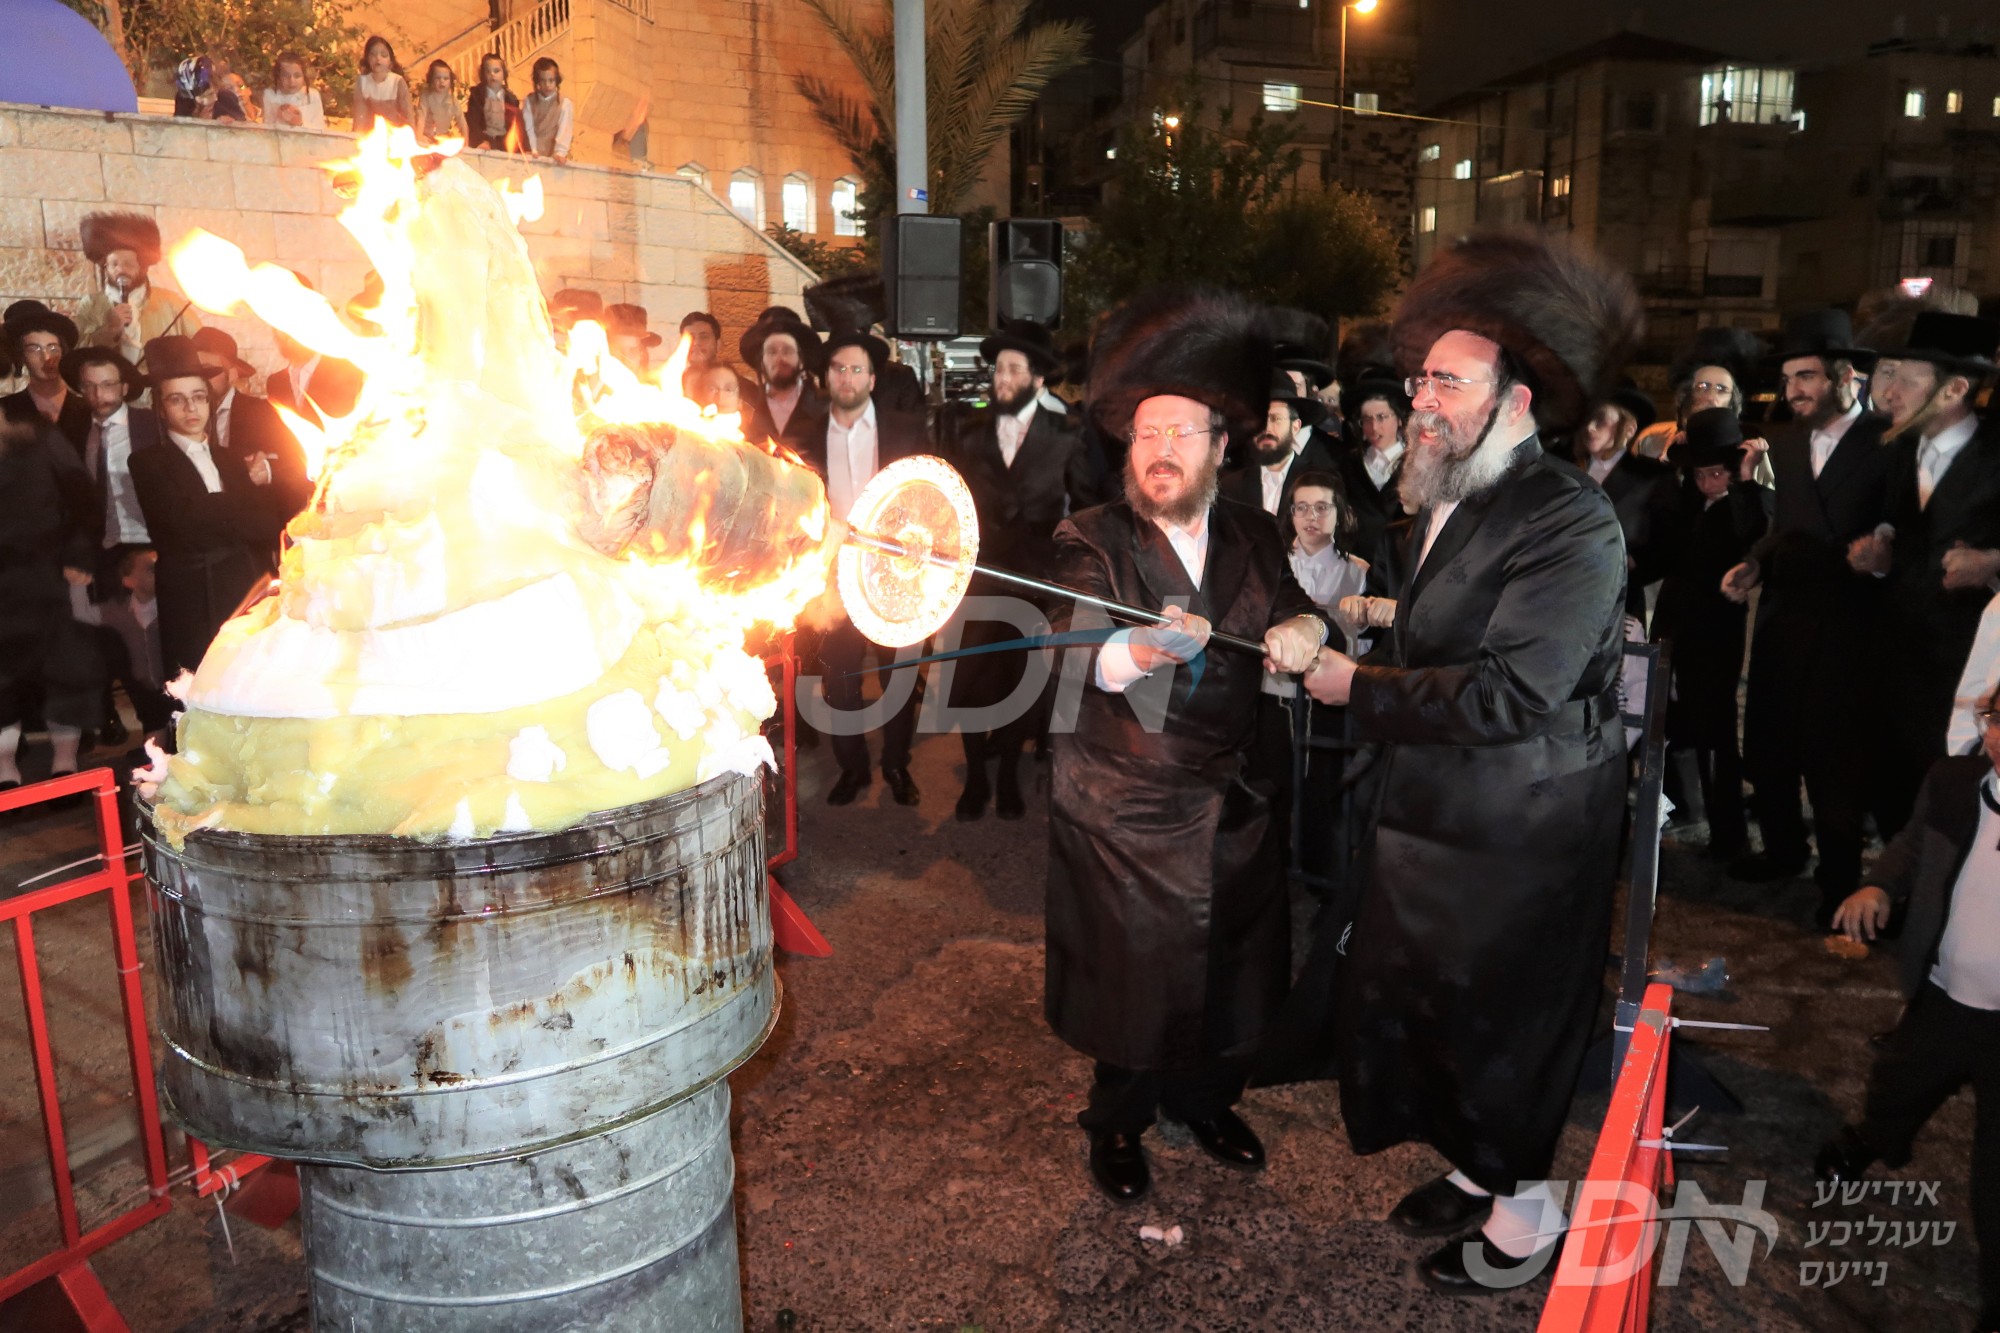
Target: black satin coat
{"x":1481,"y":927}
{"x":1168,"y":926}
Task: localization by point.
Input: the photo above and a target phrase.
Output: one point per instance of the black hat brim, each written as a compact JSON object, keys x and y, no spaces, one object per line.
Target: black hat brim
{"x":1043,"y":359}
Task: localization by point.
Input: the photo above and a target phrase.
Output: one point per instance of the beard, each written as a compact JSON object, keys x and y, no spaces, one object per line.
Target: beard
{"x":1457,"y":466}
{"x":1011,"y":404}
{"x":1195,"y":499}
{"x":1269,"y":449}
{"x":784,"y":379}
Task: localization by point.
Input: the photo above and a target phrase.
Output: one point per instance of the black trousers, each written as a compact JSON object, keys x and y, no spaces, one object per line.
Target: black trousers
{"x":1939,"y":1046}
{"x":1129,"y":1101}
{"x":1794,"y":735}
{"x":841,"y":655}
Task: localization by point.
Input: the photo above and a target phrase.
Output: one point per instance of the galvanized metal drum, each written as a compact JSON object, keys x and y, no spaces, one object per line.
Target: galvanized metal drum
{"x":389,"y":1003}
{"x":631,"y":1230}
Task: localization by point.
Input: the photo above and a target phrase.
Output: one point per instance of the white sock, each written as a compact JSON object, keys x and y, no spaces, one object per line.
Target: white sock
{"x":10,"y":744}
{"x":1523,"y":1223}
{"x":1465,"y":1186}
{"x":64,"y":741}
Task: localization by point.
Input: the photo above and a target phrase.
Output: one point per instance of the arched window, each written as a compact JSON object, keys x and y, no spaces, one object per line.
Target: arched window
{"x":746,"y":196}
{"x":694,"y":171}
{"x":846,"y":202}
{"x":798,"y":201}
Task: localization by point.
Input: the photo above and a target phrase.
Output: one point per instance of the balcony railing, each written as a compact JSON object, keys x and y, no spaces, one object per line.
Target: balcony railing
{"x":514,"y":41}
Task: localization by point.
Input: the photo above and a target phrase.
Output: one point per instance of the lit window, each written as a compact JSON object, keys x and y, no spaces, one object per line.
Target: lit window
{"x":1111,"y":154}
{"x":1367,"y":104}
{"x":1281,"y":97}
{"x":798,"y":201}
{"x":1427,"y":221}
{"x":1461,"y":170}
{"x":1913,"y":104}
{"x":1954,"y":102}
{"x":1559,"y":187}
{"x":1430,"y":152}
{"x":845,"y":202}
{"x":1996,"y":106}
{"x":694,"y":171}
{"x":1744,"y":96}
{"x":746,"y":196}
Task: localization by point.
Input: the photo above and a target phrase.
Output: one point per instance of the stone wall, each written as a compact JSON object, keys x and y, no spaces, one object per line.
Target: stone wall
{"x":657,"y":241}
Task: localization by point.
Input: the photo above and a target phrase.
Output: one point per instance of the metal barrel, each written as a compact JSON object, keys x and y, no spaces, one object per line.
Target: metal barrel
{"x":630,"y":1230}
{"x":500,"y":1061}
{"x":386,"y":1002}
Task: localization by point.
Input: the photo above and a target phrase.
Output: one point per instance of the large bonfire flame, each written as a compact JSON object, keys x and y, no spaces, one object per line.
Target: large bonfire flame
{"x":522,"y":588}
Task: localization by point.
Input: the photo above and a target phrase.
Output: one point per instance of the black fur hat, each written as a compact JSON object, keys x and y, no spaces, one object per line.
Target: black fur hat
{"x":1302,"y":340}
{"x":1194,"y":342}
{"x":855,"y":301}
{"x":101,"y":233}
{"x":1568,"y":319}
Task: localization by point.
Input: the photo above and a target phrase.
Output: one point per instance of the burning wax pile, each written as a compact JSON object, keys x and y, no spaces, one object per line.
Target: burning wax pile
{"x":502,"y":610}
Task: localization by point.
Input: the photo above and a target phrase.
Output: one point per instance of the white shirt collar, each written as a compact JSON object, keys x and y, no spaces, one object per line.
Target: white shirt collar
{"x":1836,"y":429}
{"x":121,"y":418}
{"x":187,"y":444}
{"x":1953,"y":437}
{"x":867,"y":418}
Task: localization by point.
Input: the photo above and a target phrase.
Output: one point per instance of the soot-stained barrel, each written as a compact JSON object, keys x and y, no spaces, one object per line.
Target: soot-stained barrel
{"x":390,"y":1003}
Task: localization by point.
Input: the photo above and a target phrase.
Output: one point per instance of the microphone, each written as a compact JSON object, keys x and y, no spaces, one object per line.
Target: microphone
{"x":124,"y":286}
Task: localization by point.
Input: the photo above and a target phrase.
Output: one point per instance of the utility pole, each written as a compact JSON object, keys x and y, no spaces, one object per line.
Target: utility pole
{"x":912,"y":131}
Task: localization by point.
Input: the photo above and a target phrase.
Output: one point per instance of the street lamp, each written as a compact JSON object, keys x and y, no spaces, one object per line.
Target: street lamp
{"x":1340,"y":115}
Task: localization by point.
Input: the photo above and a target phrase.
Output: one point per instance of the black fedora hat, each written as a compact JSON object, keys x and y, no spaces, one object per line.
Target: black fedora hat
{"x":1300,"y":339}
{"x":1737,"y":351}
{"x":1377,"y":383}
{"x":173,"y":357}
{"x":779,"y":319}
{"x":1956,"y":344}
{"x":73,"y":363}
{"x":1026,"y":337}
{"x":1714,"y":438}
{"x":878,"y":351}
{"x":1309,"y":411}
{"x":41,"y":321}
{"x":217,"y":342}
{"x":629,"y":320}
{"x":1825,"y":333}
{"x":854,"y":301}
{"x":1636,"y":402}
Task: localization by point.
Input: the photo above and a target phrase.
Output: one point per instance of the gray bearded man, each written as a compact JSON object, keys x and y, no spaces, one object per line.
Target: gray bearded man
{"x":1477,"y":949}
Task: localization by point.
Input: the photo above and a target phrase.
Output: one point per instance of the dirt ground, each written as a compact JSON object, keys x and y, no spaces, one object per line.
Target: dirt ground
{"x":907,"y":1157}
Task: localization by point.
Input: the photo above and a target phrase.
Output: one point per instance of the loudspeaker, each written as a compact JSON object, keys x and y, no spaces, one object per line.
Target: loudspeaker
{"x":920,"y":272}
{"x":1027,"y":260}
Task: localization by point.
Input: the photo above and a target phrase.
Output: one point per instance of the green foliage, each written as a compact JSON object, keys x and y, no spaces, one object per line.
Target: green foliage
{"x":829,"y":261}
{"x":159,"y":34}
{"x":1209,"y":204}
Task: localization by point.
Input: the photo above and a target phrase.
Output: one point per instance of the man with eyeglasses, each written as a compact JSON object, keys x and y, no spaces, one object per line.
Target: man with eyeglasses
{"x":1168,"y":914}
{"x":1466,"y":993}
{"x":847,"y":445}
{"x":1817,"y":644}
{"x":1942,"y":872}
{"x":1282,"y":451}
{"x":1944,"y":495}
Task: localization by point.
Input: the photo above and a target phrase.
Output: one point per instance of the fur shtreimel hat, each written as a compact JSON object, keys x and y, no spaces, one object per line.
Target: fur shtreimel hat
{"x":102,"y":233}
{"x":1738,"y":351}
{"x":1193,"y":342}
{"x":1566,"y":317}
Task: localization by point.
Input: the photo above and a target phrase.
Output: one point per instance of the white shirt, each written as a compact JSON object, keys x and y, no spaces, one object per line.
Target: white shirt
{"x":1381,"y":463}
{"x":129,"y":339}
{"x":1936,"y":452}
{"x":1273,"y":479}
{"x":1115,"y":668}
{"x":1827,"y":438}
{"x":1600,"y":468}
{"x":301,"y":377}
{"x":1968,"y":954}
{"x":109,"y":456}
{"x":1327,"y":576}
{"x":204,"y":462}
{"x":1439,"y":517}
{"x":1976,"y":685}
{"x":851,"y":458}
{"x":222,"y":416}
{"x":1012,"y":428}
{"x":312,"y":113}
{"x":551,"y":139}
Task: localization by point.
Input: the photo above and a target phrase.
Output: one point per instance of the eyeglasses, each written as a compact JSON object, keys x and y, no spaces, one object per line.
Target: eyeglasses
{"x":1303,"y":510}
{"x":1151,"y":434}
{"x":1442,"y":385}
{"x":856,"y":371}
{"x":1711,"y":386}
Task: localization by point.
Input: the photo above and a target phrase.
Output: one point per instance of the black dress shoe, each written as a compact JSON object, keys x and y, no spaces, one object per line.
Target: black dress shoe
{"x":113,"y":733}
{"x":852,"y":783}
{"x":1443,"y":1270}
{"x":1118,"y":1165}
{"x":1007,"y":802}
{"x":900,"y":786}
{"x":972,"y":801}
{"x":1846,"y":1156}
{"x":1439,"y":1209}
{"x":1227,"y":1139}
{"x":1763,"y":868}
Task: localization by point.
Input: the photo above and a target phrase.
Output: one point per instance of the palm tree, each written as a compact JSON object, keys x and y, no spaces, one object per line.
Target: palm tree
{"x":983,"y":67}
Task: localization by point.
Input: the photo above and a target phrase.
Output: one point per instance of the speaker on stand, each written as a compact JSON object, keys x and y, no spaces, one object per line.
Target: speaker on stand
{"x":1026,"y":271}
{"x":920,"y":275}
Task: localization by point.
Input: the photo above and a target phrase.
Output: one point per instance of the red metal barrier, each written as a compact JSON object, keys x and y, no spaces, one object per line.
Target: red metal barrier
{"x":69,"y":1266}
{"x":1604,"y":1278}
{"x":791,"y":929}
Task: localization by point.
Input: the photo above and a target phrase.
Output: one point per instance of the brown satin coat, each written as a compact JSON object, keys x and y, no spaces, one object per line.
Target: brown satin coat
{"x":1168,"y":926}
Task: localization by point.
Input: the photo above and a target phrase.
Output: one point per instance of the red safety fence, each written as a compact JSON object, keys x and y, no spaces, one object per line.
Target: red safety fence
{"x":69,"y":1265}
{"x":791,"y":929}
{"x":1604,"y":1278}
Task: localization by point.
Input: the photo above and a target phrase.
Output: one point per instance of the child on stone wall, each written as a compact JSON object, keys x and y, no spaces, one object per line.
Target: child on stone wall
{"x":438,"y":113}
{"x":291,"y":100}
